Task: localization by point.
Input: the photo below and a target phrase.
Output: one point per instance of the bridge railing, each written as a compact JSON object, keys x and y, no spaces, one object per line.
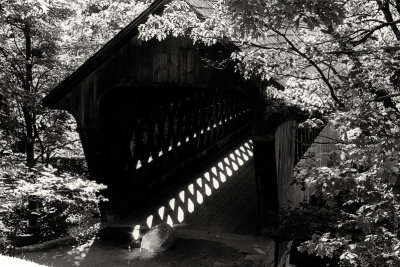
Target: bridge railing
{"x":153,"y":142}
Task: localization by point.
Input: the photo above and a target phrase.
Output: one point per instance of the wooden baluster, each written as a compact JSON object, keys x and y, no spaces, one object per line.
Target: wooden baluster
{"x":202,"y":120}
{"x":145,"y":146}
{"x":213,"y":120}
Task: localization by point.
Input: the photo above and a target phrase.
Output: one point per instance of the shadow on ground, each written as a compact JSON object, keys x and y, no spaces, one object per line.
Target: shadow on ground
{"x":186,"y":252}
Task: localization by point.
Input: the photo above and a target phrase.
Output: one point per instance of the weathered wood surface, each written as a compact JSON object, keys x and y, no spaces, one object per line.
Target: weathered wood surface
{"x":285,"y":142}
{"x":173,"y":61}
{"x":319,"y":154}
{"x":293,"y":144}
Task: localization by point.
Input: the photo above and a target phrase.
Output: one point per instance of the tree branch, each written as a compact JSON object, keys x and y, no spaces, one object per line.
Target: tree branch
{"x":381,"y":98}
{"x":319,"y":70}
{"x":385,"y":8}
{"x":371,"y":31}
{"x":398,"y":6}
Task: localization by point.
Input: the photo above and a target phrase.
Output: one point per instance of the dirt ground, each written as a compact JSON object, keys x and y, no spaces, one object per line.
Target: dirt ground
{"x":186,"y":252}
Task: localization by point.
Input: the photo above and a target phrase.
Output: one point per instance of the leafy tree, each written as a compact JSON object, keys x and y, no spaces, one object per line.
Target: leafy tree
{"x":41,"y":42}
{"x":340,"y":58}
{"x":64,"y":204}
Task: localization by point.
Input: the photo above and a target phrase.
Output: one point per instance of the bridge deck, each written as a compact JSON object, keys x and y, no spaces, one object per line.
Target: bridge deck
{"x":219,"y":198}
{"x":232,"y":209}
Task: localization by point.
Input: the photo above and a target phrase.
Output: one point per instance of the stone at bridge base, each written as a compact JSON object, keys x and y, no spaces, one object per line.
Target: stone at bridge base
{"x":159,"y":238}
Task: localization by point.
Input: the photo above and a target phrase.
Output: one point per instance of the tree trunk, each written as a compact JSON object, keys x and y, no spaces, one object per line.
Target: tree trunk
{"x":29,"y":116}
{"x":29,"y":142}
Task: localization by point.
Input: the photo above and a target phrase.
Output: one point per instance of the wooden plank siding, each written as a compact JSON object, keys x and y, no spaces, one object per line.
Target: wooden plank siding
{"x":319,"y":152}
{"x":308,"y":147}
{"x":174,"y":60}
{"x":285,"y":141}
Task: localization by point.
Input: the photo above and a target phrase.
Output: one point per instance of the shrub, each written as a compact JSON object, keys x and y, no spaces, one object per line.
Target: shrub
{"x":40,"y":204}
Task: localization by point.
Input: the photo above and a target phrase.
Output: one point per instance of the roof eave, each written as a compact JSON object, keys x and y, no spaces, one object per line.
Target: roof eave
{"x":100,"y":56}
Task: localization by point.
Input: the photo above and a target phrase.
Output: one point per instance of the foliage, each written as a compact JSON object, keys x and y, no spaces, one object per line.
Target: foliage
{"x":41,"y":42}
{"x":360,"y":188}
{"x":40,"y":204}
{"x":340,"y":59}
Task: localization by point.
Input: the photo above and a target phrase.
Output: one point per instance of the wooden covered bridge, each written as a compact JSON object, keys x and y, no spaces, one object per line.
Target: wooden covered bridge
{"x":164,"y":132}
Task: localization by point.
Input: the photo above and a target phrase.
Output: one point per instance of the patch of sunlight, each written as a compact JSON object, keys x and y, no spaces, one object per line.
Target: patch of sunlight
{"x":190,"y":187}
{"x":172,"y":203}
{"x":207,"y":176}
{"x":215,"y":183}
{"x":235,"y":166}
{"x":79,"y":253}
{"x":228,"y":171}
{"x":190,"y":205}
{"x":214,"y":170}
{"x":138,"y":165}
{"x":11,"y":261}
{"x":161,"y":212}
{"x":182,"y":196}
{"x":220,"y":165}
{"x":149,"y":221}
{"x":181,"y":215}
{"x":169,"y":221}
{"x":222,"y":177}
{"x":208,"y":190}
{"x":199,"y":197}
{"x":226,"y":160}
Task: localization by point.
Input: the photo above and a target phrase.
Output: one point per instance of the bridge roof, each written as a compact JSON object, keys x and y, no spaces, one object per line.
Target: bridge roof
{"x":100,"y":56}
{"x":204,"y":8}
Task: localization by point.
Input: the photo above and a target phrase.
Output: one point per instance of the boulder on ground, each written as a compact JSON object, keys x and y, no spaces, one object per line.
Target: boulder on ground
{"x":159,"y":238}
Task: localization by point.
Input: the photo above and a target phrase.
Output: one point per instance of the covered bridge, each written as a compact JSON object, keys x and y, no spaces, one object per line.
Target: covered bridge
{"x":151,"y":114}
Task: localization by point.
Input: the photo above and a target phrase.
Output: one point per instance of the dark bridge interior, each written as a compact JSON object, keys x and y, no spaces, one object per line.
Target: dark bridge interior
{"x":156,"y":137}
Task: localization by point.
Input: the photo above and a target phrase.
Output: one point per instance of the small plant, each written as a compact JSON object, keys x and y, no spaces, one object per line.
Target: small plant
{"x":40,"y":204}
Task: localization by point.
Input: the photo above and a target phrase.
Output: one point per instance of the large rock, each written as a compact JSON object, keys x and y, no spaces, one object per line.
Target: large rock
{"x":159,"y":238}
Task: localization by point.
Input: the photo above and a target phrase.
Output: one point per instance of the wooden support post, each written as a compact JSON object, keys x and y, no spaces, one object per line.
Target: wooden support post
{"x":266,"y":180}
{"x":97,"y":165}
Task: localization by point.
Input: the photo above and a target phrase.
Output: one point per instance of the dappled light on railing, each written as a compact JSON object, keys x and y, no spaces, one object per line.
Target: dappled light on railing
{"x":188,"y":198}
